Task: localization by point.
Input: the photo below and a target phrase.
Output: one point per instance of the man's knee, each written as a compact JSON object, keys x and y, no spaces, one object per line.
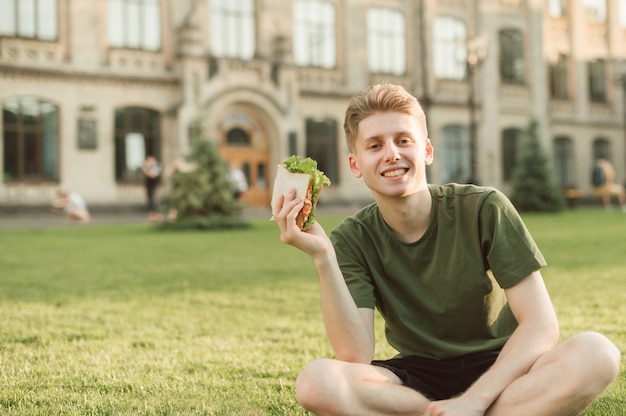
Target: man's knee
{"x":597,"y":357}
{"x":314,"y":386}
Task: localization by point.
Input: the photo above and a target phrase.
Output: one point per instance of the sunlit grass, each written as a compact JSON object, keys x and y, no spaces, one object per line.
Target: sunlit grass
{"x":127,"y":320}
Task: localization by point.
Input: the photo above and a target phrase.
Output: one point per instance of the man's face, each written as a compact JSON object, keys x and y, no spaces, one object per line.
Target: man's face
{"x":391,"y":153}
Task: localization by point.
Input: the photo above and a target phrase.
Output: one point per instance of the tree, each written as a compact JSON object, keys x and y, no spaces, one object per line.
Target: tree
{"x":203,"y":197}
{"x":533,"y":186}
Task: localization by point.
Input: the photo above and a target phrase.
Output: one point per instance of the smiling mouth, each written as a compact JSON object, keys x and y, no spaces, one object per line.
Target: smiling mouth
{"x":394,"y":173}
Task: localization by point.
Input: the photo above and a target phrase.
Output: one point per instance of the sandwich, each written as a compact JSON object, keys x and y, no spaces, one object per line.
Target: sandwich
{"x":300,"y":173}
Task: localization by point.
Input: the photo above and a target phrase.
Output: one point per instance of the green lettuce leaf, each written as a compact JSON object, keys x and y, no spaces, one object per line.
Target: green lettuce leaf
{"x":300,"y":164}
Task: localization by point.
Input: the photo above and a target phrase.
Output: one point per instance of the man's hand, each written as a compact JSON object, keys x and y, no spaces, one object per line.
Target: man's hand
{"x":458,"y":406}
{"x":313,"y":241}
{"x":350,"y":330}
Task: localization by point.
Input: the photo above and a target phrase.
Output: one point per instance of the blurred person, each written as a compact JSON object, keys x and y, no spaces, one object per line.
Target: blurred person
{"x":74,"y":206}
{"x":238,"y":181}
{"x":603,"y":181}
{"x":151,"y":169}
{"x":455,"y":274}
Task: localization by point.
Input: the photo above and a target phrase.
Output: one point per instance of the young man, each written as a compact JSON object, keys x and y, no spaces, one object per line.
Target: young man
{"x":434,"y":260}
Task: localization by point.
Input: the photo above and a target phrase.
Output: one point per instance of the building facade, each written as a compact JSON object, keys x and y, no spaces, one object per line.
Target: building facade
{"x":89,"y":88}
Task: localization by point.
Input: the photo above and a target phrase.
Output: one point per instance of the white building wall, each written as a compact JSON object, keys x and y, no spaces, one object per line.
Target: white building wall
{"x":87,"y":79}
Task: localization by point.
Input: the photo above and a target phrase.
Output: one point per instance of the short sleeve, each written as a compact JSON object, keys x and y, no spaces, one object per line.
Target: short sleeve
{"x":354,"y":265}
{"x":508,"y":247}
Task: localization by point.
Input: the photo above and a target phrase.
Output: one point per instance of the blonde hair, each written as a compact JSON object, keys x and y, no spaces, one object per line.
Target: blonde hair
{"x":380,"y":98}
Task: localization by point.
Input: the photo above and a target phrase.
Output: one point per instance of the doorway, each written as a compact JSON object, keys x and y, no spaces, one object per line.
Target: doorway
{"x":244,"y":144}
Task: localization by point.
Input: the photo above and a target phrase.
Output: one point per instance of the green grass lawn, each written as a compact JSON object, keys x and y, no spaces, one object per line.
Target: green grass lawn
{"x":118,"y":320}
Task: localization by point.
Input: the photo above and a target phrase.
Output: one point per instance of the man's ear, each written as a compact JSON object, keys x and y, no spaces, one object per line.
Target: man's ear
{"x":428,"y":159}
{"x":354,"y":165}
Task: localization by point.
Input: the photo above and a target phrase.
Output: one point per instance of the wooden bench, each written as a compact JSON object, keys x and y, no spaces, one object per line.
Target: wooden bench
{"x":575,"y":195}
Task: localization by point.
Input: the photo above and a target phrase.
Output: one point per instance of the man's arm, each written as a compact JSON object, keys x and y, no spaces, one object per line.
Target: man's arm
{"x":536,"y":334}
{"x":350,"y":330}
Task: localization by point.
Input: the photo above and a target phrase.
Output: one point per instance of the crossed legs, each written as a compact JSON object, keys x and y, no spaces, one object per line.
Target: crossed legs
{"x":562,"y":382}
{"x":331,"y":387}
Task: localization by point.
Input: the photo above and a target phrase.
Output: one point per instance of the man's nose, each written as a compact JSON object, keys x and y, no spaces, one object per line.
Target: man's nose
{"x":391,"y":152}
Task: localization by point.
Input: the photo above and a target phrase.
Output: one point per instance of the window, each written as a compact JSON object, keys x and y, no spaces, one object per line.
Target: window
{"x":621,"y":10}
{"x":557,"y":8}
{"x":134,"y":24}
{"x":137,"y":134}
{"x":261,"y":178}
{"x":245,"y":168}
{"x":237,"y":137}
{"x":232,"y":27}
{"x":512,"y":141}
{"x":597,"y":80}
{"x":558,"y":78}
{"x":321,"y":145}
{"x":386,"y":41}
{"x":511,"y":57}
{"x":595,"y":10}
{"x":449,"y":48}
{"x":564,"y":162}
{"x":31,"y":139}
{"x":37,"y":19}
{"x":314,"y":39}
{"x":601,"y":148}
{"x":293,"y":143}
{"x":454,"y":154}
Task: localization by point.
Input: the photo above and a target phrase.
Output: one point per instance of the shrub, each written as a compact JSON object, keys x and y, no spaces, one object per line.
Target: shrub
{"x":202,"y":197}
{"x":533,"y":187}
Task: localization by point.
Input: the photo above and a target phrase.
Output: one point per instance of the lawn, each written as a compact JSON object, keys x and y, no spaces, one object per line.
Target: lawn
{"x":125,"y":320}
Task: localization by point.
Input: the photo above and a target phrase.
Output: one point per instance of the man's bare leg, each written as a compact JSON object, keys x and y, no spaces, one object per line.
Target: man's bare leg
{"x":563,"y":381}
{"x":332,"y":387}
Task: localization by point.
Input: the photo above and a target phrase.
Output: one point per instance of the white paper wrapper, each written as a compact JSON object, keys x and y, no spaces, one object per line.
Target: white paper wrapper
{"x":286,"y":180}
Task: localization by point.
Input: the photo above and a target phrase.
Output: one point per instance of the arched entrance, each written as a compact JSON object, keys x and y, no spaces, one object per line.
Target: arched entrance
{"x":243,"y":140}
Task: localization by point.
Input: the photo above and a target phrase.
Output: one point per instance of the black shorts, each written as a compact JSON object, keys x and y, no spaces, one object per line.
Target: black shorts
{"x":440,"y":379}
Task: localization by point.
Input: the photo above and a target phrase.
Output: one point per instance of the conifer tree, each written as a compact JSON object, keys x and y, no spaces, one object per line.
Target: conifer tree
{"x":203,"y":197}
{"x":533,"y":186}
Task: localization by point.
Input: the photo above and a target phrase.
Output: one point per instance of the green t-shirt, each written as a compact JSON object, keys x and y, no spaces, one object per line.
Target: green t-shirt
{"x":437,"y":295}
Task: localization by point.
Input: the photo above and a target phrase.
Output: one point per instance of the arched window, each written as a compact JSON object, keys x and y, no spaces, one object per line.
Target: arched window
{"x":454,"y":154}
{"x":314,"y":38}
{"x":564,"y":162}
{"x":31,"y":139}
{"x":137,"y":134}
{"x":449,"y":48}
{"x":512,"y":140}
{"x":386,"y":41}
{"x":321,"y":145}
{"x":237,"y":137}
{"x":601,"y":147}
{"x":233,"y":31}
